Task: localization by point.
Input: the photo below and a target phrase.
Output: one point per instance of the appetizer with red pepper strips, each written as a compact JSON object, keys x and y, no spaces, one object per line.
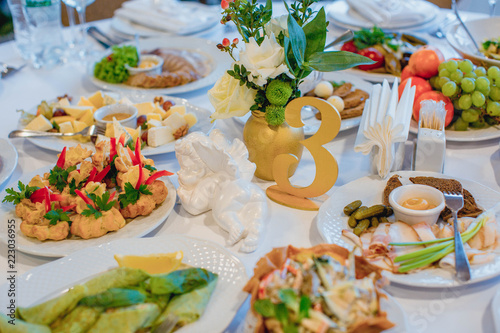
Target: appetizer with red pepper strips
{"x":87,"y":195}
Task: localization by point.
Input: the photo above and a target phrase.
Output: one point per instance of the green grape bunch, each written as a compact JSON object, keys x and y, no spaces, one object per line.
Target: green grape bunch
{"x":474,"y":91}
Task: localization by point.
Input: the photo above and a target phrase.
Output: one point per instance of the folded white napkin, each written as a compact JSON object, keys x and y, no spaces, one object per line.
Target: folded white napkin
{"x":170,"y":16}
{"x":390,"y":12}
{"x":384,"y":123}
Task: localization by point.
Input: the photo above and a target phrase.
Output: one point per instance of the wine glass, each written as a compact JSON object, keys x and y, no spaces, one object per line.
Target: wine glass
{"x":81,"y":39}
{"x":492,"y":4}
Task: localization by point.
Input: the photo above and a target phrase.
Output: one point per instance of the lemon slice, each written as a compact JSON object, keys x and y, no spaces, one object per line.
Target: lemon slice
{"x":160,"y":263}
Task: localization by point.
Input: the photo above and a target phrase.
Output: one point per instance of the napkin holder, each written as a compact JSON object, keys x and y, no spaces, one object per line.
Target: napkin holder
{"x":431,"y":140}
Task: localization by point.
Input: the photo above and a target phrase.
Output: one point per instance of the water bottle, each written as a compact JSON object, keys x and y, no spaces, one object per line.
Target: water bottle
{"x":46,"y":44}
{"x":21,"y":28}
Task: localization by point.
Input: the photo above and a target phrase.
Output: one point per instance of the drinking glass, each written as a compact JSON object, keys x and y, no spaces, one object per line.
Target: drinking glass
{"x":79,"y":39}
{"x":492,"y":4}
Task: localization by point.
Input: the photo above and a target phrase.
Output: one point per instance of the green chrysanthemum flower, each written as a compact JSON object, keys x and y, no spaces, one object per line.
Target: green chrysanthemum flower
{"x":278,"y":92}
{"x":275,"y":115}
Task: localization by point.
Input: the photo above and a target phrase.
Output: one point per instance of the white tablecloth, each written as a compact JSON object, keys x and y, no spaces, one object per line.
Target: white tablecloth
{"x":429,"y":310}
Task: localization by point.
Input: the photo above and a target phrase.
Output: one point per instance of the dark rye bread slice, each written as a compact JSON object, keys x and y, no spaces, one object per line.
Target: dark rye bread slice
{"x":470,"y":208}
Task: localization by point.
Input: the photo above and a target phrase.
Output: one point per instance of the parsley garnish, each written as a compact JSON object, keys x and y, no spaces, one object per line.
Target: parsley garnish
{"x":57,"y":215}
{"x":59,"y":177}
{"x":131,"y":195}
{"x":101,"y":203}
{"x":150,"y":167}
{"x":16,"y":197}
{"x":56,"y":126}
{"x":368,"y":37}
{"x":73,"y":186}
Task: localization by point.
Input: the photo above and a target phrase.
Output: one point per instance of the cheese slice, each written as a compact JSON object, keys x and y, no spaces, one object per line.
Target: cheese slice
{"x":97,"y":99}
{"x":119,"y":130}
{"x":175,"y":121}
{"x":125,"y":100}
{"x":63,"y":119}
{"x":78,"y":125}
{"x":191,"y":119}
{"x":87,"y":117}
{"x":133,"y":133}
{"x":154,"y":123}
{"x":77,"y":111}
{"x":144,"y":108}
{"x":101,"y":138}
{"x":66,"y":127}
{"x":84,"y":101}
{"x":63,"y":102}
{"x":159,"y":110}
{"x":110,"y":130}
{"x":153,"y":116}
{"x":40,"y":123}
{"x":178,"y":108}
{"x":158,"y":136}
{"x":108,"y":100}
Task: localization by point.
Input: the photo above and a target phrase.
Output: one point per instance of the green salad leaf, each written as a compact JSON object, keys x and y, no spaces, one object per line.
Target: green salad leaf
{"x":112,"y":68}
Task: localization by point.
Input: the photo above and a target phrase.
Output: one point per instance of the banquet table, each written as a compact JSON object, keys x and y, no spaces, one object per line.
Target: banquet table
{"x":458,"y":309}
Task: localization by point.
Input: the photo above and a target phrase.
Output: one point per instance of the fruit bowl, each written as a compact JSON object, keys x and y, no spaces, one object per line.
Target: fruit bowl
{"x":481,"y":30}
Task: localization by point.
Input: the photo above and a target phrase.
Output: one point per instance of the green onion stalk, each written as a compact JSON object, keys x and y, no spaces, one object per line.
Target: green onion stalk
{"x":441,"y":248}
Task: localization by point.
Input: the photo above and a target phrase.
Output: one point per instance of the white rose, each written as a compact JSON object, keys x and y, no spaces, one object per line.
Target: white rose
{"x":264,"y":61}
{"x":230,"y":99}
{"x":276,"y":25}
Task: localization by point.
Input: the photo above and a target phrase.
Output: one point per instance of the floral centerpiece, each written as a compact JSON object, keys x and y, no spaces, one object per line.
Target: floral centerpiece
{"x":278,"y":54}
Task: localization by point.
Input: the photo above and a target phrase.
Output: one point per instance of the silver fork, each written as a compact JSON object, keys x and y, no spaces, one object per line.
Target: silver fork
{"x":91,"y":131}
{"x":455,"y":201}
{"x":6,"y":70}
{"x":455,"y":10}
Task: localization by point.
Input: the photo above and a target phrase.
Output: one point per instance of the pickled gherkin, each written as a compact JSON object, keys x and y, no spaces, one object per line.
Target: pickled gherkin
{"x":383,"y":219}
{"x":374,"y":221}
{"x":362,"y":226}
{"x":352,"y":222}
{"x":388,"y":211}
{"x":352,"y":207}
{"x":369,"y":212}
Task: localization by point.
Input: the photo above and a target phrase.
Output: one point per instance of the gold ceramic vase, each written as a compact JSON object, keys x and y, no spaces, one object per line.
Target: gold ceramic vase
{"x":264,"y":142}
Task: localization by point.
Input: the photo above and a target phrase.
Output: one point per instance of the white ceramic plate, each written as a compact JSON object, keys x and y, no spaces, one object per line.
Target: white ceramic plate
{"x":481,"y":30}
{"x":8,"y":160}
{"x":471,"y":135}
{"x":217,"y":60}
{"x":51,"y":279}
{"x":137,"y":227}
{"x":395,"y":313}
{"x":331,"y":221}
{"x":343,"y":15}
{"x":203,"y":125}
{"x":311,"y":124}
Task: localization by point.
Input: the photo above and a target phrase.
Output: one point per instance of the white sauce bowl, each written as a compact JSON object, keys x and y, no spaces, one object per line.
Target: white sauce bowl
{"x":413,"y":216}
{"x":131,"y":121}
{"x":156,"y":69}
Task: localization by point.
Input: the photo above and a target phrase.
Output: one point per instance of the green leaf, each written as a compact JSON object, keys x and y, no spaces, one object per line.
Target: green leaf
{"x":289,"y":57}
{"x":59,"y":177}
{"x":304,"y":306}
{"x":264,"y":307}
{"x":315,"y":32}
{"x":297,"y":40}
{"x":337,"y":60}
{"x":289,"y":297}
{"x":281,"y":313}
{"x":16,"y":197}
{"x":56,"y":215}
{"x":131,"y":195}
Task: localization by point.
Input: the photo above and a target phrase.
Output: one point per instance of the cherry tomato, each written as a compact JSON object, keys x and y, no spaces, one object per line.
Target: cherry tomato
{"x":422,"y":85}
{"x":425,"y":61}
{"x":436,"y":96}
{"x":349,"y":47}
{"x":373,"y":54}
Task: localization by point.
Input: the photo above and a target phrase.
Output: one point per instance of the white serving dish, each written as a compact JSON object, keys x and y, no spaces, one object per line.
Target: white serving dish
{"x":107,"y":110}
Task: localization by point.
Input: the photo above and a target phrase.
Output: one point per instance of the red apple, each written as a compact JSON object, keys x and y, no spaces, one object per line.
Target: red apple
{"x":435,"y":96}
{"x":422,"y":85}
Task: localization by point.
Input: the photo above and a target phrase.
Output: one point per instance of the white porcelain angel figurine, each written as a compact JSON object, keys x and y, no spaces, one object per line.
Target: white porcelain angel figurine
{"x":216,"y":174}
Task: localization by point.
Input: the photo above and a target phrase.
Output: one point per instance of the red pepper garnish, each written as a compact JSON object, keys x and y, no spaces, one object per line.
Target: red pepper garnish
{"x":62,"y":158}
{"x":157,"y":175}
{"x":38,"y":195}
{"x":91,"y":176}
{"x":66,"y":208}
{"x":47,"y":201}
{"x":56,"y":197}
{"x":138,"y":152}
{"x":86,"y":199}
{"x":100,"y":176}
{"x":139,"y":180}
{"x":111,"y":196}
{"x":132,"y":156}
{"x":122,"y":139}
{"x":112,"y":149}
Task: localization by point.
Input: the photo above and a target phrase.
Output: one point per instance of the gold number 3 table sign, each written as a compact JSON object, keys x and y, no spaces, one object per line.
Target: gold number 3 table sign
{"x":326,"y":166}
